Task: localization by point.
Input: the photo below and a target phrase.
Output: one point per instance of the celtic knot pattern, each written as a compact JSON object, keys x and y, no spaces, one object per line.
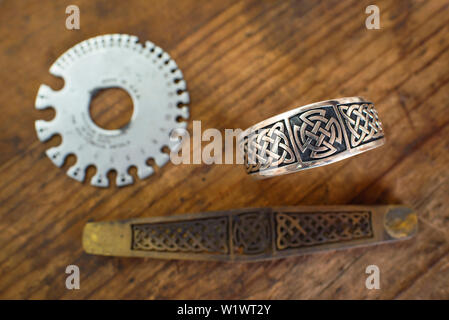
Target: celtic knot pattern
{"x":268,"y":148}
{"x":251,"y":233}
{"x":311,"y":136}
{"x":205,"y":235}
{"x":307,"y":229}
{"x":318,"y":133}
{"x":362,"y":121}
{"x":255,"y":234}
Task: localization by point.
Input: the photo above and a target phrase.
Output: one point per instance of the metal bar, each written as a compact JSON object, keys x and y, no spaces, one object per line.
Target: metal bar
{"x":251,"y":234}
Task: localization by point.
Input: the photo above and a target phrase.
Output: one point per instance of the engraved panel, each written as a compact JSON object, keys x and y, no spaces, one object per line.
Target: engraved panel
{"x":295,"y":230}
{"x":268,"y":148}
{"x":362,"y":122}
{"x":251,"y":233}
{"x":317,"y":133}
{"x":198,"y":236}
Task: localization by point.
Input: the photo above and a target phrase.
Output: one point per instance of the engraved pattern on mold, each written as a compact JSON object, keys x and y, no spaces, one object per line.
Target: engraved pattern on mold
{"x":196,"y":236}
{"x":295,"y":230}
{"x":251,"y":233}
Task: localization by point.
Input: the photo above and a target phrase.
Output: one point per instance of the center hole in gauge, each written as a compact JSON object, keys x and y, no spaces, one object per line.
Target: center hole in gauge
{"x":111,"y":108}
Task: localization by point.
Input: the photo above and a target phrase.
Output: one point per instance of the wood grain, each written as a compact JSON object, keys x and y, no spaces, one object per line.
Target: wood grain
{"x":243,"y":61}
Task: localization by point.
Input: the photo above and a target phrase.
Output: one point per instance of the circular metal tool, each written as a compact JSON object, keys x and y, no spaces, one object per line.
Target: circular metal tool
{"x":159,"y":96}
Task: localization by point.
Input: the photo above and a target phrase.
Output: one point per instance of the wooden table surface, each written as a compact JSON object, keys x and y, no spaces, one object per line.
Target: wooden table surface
{"x":243,"y":61}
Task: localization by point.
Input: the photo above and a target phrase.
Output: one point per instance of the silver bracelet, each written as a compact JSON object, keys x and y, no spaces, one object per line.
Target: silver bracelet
{"x":311,"y":136}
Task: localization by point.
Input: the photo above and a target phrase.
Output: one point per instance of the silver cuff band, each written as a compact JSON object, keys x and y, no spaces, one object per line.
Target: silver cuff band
{"x":311,"y":136}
